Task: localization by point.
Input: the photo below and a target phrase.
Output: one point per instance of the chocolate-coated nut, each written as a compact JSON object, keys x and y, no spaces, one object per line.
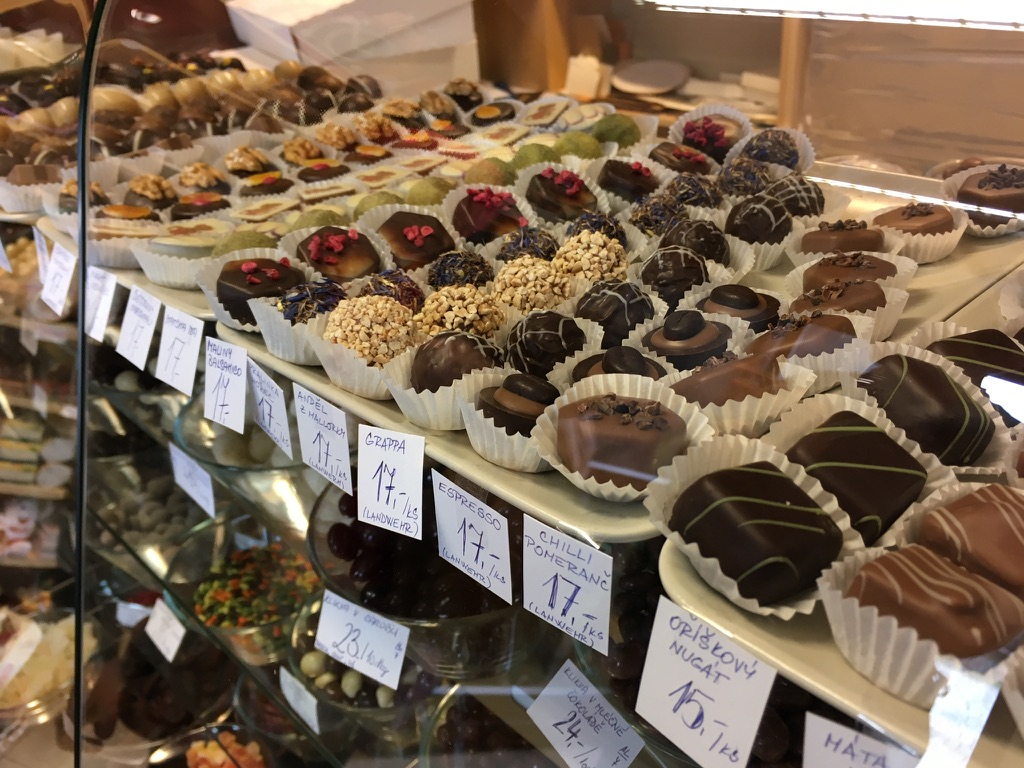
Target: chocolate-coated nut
{"x":683,"y":324}
{"x":735,"y":296}
{"x":533,"y":388}
{"x":624,"y":360}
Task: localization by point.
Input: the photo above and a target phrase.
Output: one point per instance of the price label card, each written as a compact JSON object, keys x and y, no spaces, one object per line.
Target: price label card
{"x":42,"y":253}
{"x":225,"y":384}
{"x":567,"y":583}
{"x":18,"y":649}
{"x":361,"y":639}
{"x":391,"y":480}
{"x":28,"y":336}
{"x":271,"y":411}
{"x":830,"y":745}
{"x":130,"y":614}
{"x":701,"y":690}
{"x":472,"y":537}
{"x":193,"y":479}
{"x":180,"y":340}
{"x":300,"y":699}
{"x":581,"y":725}
{"x":59,"y":274}
{"x":99,"y":296}
{"x":164,"y":629}
{"x":5,"y":262}
{"x":140,"y":316}
{"x":323,"y":437}
{"x":40,"y":400}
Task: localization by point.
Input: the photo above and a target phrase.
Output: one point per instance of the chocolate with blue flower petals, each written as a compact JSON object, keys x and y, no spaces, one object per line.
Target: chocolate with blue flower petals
{"x":744,"y":176}
{"x":398,"y":285}
{"x":459,"y":268}
{"x":302,"y":303}
{"x":773,"y":146}
{"x":656,"y":214}
{"x":694,"y":189}
{"x":528,"y":241}
{"x":597,"y":222}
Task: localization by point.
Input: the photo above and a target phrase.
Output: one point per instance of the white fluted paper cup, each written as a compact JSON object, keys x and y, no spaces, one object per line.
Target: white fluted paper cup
{"x":950,"y":189}
{"x":285,"y":341}
{"x":350,"y":372}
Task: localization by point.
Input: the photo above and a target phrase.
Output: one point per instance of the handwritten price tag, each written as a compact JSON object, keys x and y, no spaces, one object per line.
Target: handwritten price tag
{"x":140,"y":316}
{"x":40,"y":400}
{"x":42,"y":253}
{"x":5,"y":261}
{"x":323,"y":437}
{"x":59,"y":275}
{"x":300,"y":699}
{"x":271,"y":411}
{"x":192,"y":479}
{"x":567,"y":583}
{"x":19,"y":649}
{"x":99,"y":297}
{"x":164,"y":629}
{"x":225,"y":384}
{"x":701,"y":690}
{"x":472,"y":537}
{"x":129,"y":614}
{"x":180,"y":340}
{"x":830,"y":745}
{"x":581,"y":725}
{"x":391,"y":480}
{"x":361,"y":639}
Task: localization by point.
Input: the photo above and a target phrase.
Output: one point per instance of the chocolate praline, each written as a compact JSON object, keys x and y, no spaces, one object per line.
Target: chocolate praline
{"x":449,"y":356}
{"x":702,"y":237}
{"x":844,"y":235}
{"x":1002,"y":188}
{"x":517,"y":403}
{"x":773,"y":146}
{"x":814,"y":334}
{"x":198,"y":204}
{"x":694,"y":189}
{"x":800,"y":195}
{"x":758,"y":310}
{"x":744,"y":176}
{"x":528,"y":241}
{"x":656,"y":213}
{"x":398,"y":285}
{"x":459,"y":268}
{"x":672,"y":271}
{"x":680,"y":158}
{"x":918,"y":219}
{"x":713,"y":135}
{"x":415,"y":239}
{"x":759,"y":219}
{"x":541,"y":340}
{"x":343,"y":254}
{"x":722,"y":379}
{"x":245,"y":279}
{"x":686,"y":339}
{"x":617,"y":360}
{"x":628,"y":180}
{"x":596,"y":221}
{"x":489,"y":114}
{"x":855,"y":295}
{"x":847,"y":266}
{"x":261,"y":184}
{"x":617,"y":306}
{"x":321,"y":169}
{"x":485,"y":214}
{"x":559,"y":196}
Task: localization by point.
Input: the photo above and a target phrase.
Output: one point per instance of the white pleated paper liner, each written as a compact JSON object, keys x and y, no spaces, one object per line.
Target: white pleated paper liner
{"x":291,"y":343}
{"x":215,"y":147}
{"x":648,"y":125}
{"x":1013,"y":690}
{"x":1011,"y":298}
{"x":724,"y":452}
{"x":950,"y":189}
{"x":810,"y":414}
{"x":151,"y":162}
{"x":659,"y":173}
{"x":675,"y":131}
{"x":893,"y":243}
{"x":741,"y":333}
{"x":885,"y":317}
{"x":24,"y":199}
{"x":836,"y":204}
{"x":350,"y":372}
{"x":767,"y":255}
{"x":753,"y":415}
{"x":104,"y":172}
{"x":1014,"y":459}
{"x":905,"y":270}
{"x":568,"y":163}
{"x":927,"y":249}
{"x":545,"y":433}
{"x":803,"y":148}
{"x":696,"y":295}
{"x":289,"y":244}
{"x":643,"y":150}
{"x":176,"y":159}
{"x":452,"y":199}
{"x":118,"y":252}
{"x":174,"y":271}
{"x":990,"y":463}
{"x":516,"y":452}
{"x":561,"y":374}
{"x":206,"y":280}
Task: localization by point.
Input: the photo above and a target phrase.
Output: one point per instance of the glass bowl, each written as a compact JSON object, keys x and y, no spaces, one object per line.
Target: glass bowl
{"x":173,"y":753}
{"x":465,"y":648}
{"x":259,"y":644}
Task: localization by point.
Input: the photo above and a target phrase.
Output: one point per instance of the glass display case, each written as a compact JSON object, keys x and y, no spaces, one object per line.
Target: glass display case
{"x":432,"y":412}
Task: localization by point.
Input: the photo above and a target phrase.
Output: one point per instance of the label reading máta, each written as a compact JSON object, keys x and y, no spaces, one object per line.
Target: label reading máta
{"x":323,"y":437}
{"x":702,"y":691}
{"x":140,"y":316}
{"x":361,"y":639}
{"x":830,"y":745}
{"x":270,"y":411}
{"x":472,"y":537}
{"x":567,"y":583}
{"x":225,"y":384}
{"x":391,"y":480}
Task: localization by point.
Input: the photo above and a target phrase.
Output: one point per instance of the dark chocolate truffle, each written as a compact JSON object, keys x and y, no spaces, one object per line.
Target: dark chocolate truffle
{"x":703,"y":237}
{"x":758,"y":310}
{"x":672,"y":271}
{"x":516,"y":405}
{"x":694,"y":189}
{"x":607,"y":225}
{"x":528,"y":241}
{"x":814,"y":334}
{"x":844,"y":235}
{"x":541,"y":340}
{"x":744,"y":176}
{"x":773,"y":146}
{"x":448,"y":357}
{"x":624,"y":360}
{"x":840,"y":296}
{"x":846,"y":266}
{"x":485,"y":214}
{"x":459,"y":268}
{"x":687,"y":339}
{"x":801,"y":196}
{"x":1002,"y":189}
{"x":416,"y":239}
{"x":559,"y":196}
{"x":759,"y":219}
{"x":628,"y":180}
{"x":679,"y":158}
{"x":343,"y":254}
{"x":721,"y":379}
{"x":918,"y":219}
{"x":617,"y":306}
{"x":713,"y":135}
{"x":246,"y":279}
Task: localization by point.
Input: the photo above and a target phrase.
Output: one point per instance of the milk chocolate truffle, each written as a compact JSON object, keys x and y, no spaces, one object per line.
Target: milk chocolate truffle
{"x":672,"y":271}
{"x":416,"y":239}
{"x":766,"y":533}
{"x":619,"y":440}
{"x":844,"y":267}
{"x":800,"y":195}
{"x":559,"y":196}
{"x":844,"y":235}
{"x":758,"y":310}
{"x":872,"y":477}
{"x":617,"y":306}
{"x":541,"y":340}
{"x":625,"y":360}
{"x":680,"y":158}
{"x":856,"y":295}
{"x":343,"y":254}
{"x":982,"y":532}
{"x":516,"y":405}
{"x":448,"y":357}
{"x":246,"y":279}
{"x":987,"y":352}
{"x":628,"y":180}
{"x":930,"y":407}
{"x":966,"y":615}
{"x":694,"y":189}
{"x":773,"y":146}
{"x":686,"y":339}
{"x":714,"y":135}
{"x":1002,"y":189}
{"x":528,"y":241}
{"x":814,"y":334}
{"x":759,"y":219}
{"x":485,"y":214}
{"x":703,"y":237}
{"x":722,"y":379}
{"x":918,"y":219}
{"x":744,"y":176}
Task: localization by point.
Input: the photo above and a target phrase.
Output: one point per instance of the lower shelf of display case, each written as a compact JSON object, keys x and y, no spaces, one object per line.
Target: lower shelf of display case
{"x":802,"y":649}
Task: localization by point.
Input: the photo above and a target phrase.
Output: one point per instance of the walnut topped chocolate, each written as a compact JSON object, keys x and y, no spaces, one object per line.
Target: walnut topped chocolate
{"x":245,"y":161}
{"x":298,"y":150}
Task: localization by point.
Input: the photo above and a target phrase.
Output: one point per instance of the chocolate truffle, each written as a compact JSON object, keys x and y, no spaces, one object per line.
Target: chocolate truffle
{"x":559,"y":196}
{"x":619,"y":440}
{"x":844,"y":235}
{"x":987,"y":352}
{"x":305,"y":302}
{"x":814,"y":334}
{"x":687,"y":339}
{"x":448,"y":357}
{"x":930,"y":407}
{"x":672,"y":271}
{"x":485,"y":214}
{"x":397,"y":285}
{"x":528,"y":241}
{"x":966,"y":615}
{"x":730,"y":378}
{"x":261,"y":184}
{"x":198,"y":204}
{"x":1002,"y":189}
{"x":151,"y":190}
{"x":702,"y":237}
{"x":918,"y":219}
{"x":489,"y":114}
{"x":596,"y":221}
{"x":843,"y":267}
{"x":744,"y":176}
{"x":341,"y":253}
{"x":759,"y":219}
{"x":714,"y":135}
{"x":321,"y":169}
{"x":773,"y":146}
{"x":872,"y":477}
{"x":656,"y":213}
{"x":758,"y":310}
{"x":246,"y":279}
{"x":628,"y":180}
{"x":459,"y":268}
{"x":617,"y":306}
{"x":801,"y":196}
{"x":694,"y":189}
{"x":679,"y":158}
{"x":840,"y":296}
{"x":516,"y":405}
{"x":416,"y":239}
{"x":982,"y":532}
{"x":625,"y":360}
{"x":766,"y":533}
{"x":541,"y":340}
